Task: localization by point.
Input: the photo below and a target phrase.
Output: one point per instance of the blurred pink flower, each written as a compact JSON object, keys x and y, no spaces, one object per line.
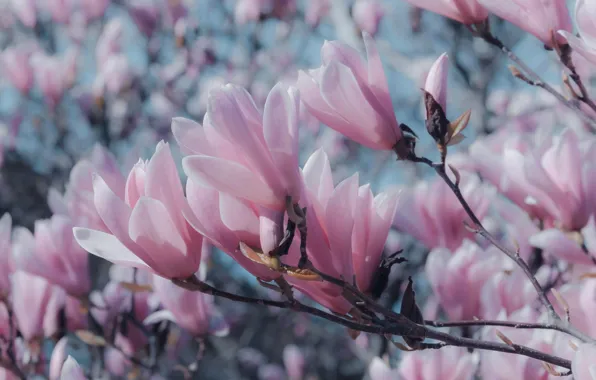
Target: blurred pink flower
{"x":351,"y":95}
{"x":6,"y":261}
{"x":450,"y":363}
{"x":367,"y":15}
{"x":464,"y":11}
{"x":109,"y":42}
{"x":499,"y":366}
{"x":316,"y":10}
{"x":94,"y":9}
{"x":294,"y":362}
{"x":30,"y":297}
{"x":540,"y":18}
{"x":431,"y":213}
{"x":147,"y":227}
{"x":115,"y":75}
{"x":465,"y":271}
{"x":77,"y":200}
{"x":58,"y":358}
{"x":60,"y":10}
{"x":145,"y":14}
{"x":16,"y":68}
{"x":25,"y":11}
{"x":585,"y":45}
{"x":378,"y":369}
{"x":193,"y":311}
{"x":71,"y":370}
{"x":54,"y":74}
{"x":63,"y":312}
{"x":248,"y":154}
{"x":52,"y":253}
{"x":584,"y":362}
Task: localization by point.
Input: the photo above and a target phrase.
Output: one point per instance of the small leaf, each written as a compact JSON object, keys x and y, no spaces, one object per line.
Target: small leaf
{"x":302,"y":274}
{"x":91,"y":339}
{"x":455,"y":128}
{"x":410,"y":310}
{"x":136,"y":288}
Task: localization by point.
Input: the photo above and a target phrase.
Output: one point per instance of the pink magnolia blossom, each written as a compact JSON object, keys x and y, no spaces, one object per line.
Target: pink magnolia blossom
{"x":573,"y":247}
{"x":584,"y":362}
{"x":115,"y":75}
{"x":431,"y":213}
{"x":294,"y":362}
{"x":25,"y":11}
{"x":61,"y":305}
{"x":367,"y":15}
{"x":77,"y":200}
{"x":436,"y":80}
{"x":52,"y":253}
{"x":60,"y":10}
{"x":464,"y":11}
{"x":337,"y":212}
{"x":496,"y":366}
{"x":6,"y":263}
{"x":109,"y":42}
{"x":550,"y":179}
{"x":147,"y":227}
{"x":451,"y":363}
{"x":193,"y":311}
{"x":145,"y":14}
{"x":464,"y":271}
{"x":540,"y":18}
{"x":248,"y":10}
{"x":71,"y":370}
{"x":351,"y":95}
{"x":378,"y":369}
{"x":30,"y":297}
{"x":249,"y":154}
{"x":316,"y":10}
{"x":54,"y":75}
{"x":585,"y":45}
{"x":58,"y":358}
{"x":94,"y":9}
{"x":16,"y":68}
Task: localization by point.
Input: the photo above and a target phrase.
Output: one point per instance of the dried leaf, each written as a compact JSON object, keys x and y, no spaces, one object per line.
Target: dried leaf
{"x":380,"y":278}
{"x":410,"y":310}
{"x":302,"y":274}
{"x":437,"y":124}
{"x":90,"y":338}
{"x":136,"y":288}
{"x":257,"y":256}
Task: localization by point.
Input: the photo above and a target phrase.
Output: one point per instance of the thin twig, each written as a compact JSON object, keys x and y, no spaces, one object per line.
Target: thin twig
{"x":536,"y":80}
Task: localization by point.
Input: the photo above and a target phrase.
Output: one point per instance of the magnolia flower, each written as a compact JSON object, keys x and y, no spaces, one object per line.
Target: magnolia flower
{"x":465,"y":270}
{"x":464,"y":11}
{"x":52,"y":253}
{"x":25,"y":11}
{"x":16,"y":68}
{"x":367,"y":15}
{"x":540,"y":18}
{"x":147,"y":228}
{"x":351,"y":95}
{"x":584,"y":362}
{"x":585,"y":12}
{"x":30,"y":297}
{"x":71,"y":370}
{"x":452,"y":363}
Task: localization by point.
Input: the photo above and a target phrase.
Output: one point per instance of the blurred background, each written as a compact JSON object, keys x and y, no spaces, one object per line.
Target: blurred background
{"x":77,"y":73}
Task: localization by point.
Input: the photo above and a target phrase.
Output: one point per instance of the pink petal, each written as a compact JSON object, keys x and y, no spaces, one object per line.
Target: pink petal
{"x":107,"y":247}
{"x":231,"y":178}
{"x":555,"y":242}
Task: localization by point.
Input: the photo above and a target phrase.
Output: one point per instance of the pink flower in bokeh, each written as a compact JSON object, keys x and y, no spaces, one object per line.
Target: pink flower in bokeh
{"x":584,"y":362}
{"x":71,"y":370}
{"x":64,"y":312}
{"x":540,"y":18}
{"x":351,"y":95}
{"x":585,"y":45}
{"x":109,"y":42}
{"x":52,"y":253}
{"x":60,"y":10}
{"x":16,"y":68}
{"x":6,"y":262}
{"x":193,"y":311}
{"x":30,"y":297}
{"x":145,"y":14}
{"x":431,"y":213}
{"x":25,"y":11}
{"x":367,"y":15}
{"x":465,"y":270}
{"x":77,"y":200}
{"x":54,"y":74}
{"x":147,"y":227}
{"x":450,"y":363}
{"x":94,"y":9}
{"x":315,"y":11}
{"x":464,"y":11}
{"x":294,"y":362}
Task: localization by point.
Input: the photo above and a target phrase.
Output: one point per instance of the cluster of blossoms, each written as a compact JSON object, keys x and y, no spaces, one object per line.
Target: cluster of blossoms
{"x":509,"y":223}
